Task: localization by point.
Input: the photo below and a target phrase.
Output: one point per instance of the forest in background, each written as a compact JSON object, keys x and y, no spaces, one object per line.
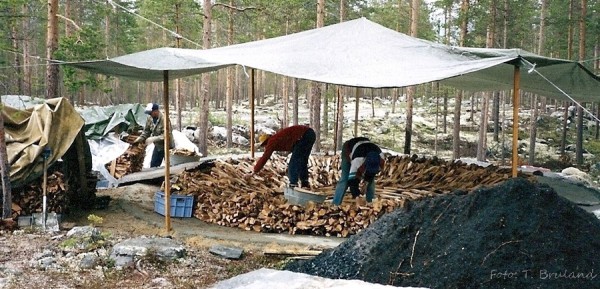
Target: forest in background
{"x":33,"y":32}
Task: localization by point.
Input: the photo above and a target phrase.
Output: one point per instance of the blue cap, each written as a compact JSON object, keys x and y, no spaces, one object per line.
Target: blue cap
{"x":150,"y":107}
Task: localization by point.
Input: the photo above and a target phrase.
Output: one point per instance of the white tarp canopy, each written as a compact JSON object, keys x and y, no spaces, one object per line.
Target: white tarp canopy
{"x":362,"y":53}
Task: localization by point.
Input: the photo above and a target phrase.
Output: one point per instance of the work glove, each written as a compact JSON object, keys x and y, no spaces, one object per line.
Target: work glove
{"x":153,"y":139}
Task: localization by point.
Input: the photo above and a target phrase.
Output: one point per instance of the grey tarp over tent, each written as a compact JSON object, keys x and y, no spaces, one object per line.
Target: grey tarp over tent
{"x":362,"y":53}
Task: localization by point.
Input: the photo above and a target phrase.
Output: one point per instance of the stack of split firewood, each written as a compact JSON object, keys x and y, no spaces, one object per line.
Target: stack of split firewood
{"x":28,"y":199}
{"x":131,"y":161}
{"x":223,"y":196}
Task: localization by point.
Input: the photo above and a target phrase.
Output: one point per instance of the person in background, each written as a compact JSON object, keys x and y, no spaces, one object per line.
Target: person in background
{"x":154,"y":131}
{"x":361,"y":160}
{"x":298,"y":139}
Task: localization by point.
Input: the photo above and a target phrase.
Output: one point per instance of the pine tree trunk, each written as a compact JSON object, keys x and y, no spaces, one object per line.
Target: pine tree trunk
{"x":534,"y":107}
{"x":458,"y":102}
{"x":26,"y":62}
{"x":456,"y":130}
{"x":563,"y":142}
{"x":340,"y":119}
{"x":315,"y":122}
{"x":4,"y":172}
{"x":205,"y":83}
{"x":295,"y":101}
{"x":582,"y":35}
{"x":51,"y":46}
{"x":326,"y":112}
{"x":285,"y":91}
{"x":17,"y":60}
{"x":445,"y":112}
{"x":496,"y":116}
{"x":483,"y":126}
{"x":178,"y":100}
{"x":533,"y":130}
{"x":410,"y":91}
{"x":315,"y":88}
{"x":229,"y":82}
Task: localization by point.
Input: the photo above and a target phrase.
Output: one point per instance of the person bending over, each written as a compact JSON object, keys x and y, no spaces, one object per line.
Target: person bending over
{"x":298,"y":139}
{"x":361,"y":160}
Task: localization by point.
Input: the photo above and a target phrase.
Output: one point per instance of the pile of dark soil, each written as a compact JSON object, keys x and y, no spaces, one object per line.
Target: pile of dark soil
{"x":515,"y":235}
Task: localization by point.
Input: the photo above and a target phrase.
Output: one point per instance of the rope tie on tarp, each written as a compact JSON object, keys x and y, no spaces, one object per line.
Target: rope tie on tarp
{"x":533,"y":69}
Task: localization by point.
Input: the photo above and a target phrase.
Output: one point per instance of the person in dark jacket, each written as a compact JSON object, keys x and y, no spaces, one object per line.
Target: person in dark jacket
{"x":361,"y":160}
{"x":154,"y":132}
{"x":298,"y":139}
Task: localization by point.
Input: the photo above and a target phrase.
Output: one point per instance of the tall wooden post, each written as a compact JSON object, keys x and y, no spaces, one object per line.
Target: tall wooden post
{"x":356,"y":113}
{"x":167,"y":135}
{"x":515,"y":147}
{"x":252,"y":138}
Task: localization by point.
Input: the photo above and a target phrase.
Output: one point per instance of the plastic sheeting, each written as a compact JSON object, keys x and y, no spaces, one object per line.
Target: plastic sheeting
{"x":105,"y":150}
{"x":269,"y":278}
{"x":182,"y":142}
{"x":362,"y":53}
{"x":99,"y":121}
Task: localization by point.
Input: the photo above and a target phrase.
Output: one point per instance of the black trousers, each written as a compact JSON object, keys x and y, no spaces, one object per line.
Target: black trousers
{"x":298,"y":166}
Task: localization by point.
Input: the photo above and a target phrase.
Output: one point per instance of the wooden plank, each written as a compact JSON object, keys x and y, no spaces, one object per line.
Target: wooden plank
{"x":291,"y":252}
{"x":113,"y":167}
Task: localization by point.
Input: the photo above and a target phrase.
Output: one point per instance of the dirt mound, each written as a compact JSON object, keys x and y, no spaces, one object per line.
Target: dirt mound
{"x":514,"y":235}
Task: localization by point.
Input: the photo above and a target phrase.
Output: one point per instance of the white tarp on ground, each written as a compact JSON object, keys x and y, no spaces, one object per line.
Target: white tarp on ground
{"x":269,"y":278}
{"x":362,"y":53}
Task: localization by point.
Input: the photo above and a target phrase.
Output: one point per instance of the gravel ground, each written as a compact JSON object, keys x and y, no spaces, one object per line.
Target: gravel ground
{"x":33,"y":259}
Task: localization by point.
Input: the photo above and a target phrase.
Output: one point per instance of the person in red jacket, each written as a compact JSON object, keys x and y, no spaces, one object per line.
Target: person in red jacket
{"x":298,"y":139}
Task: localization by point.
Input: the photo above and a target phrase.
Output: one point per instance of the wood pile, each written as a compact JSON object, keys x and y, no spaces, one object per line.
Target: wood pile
{"x":223,"y":196}
{"x":28,"y":199}
{"x":70,"y":184}
{"x":131,"y":161}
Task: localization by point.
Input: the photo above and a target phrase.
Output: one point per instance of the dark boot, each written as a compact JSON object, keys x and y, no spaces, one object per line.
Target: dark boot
{"x":306,"y":184}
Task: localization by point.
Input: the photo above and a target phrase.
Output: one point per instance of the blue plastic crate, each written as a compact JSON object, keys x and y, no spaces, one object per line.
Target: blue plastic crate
{"x":181,"y":205}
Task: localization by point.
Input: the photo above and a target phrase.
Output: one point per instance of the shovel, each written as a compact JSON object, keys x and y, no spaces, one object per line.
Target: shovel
{"x":47,"y":220}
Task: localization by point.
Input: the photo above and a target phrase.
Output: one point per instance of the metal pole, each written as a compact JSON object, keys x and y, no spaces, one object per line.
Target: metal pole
{"x":45,"y":154}
{"x":167,"y":135}
{"x":515,"y":148}
{"x":45,"y":182}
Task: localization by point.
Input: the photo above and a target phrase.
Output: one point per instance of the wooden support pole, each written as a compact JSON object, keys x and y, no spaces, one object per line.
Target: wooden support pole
{"x":252,"y":96}
{"x":167,"y":138}
{"x":356,"y":113}
{"x":515,"y":147}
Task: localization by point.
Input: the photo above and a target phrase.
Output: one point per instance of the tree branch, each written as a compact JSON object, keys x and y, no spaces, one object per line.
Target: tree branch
{"x":69,"y":20}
